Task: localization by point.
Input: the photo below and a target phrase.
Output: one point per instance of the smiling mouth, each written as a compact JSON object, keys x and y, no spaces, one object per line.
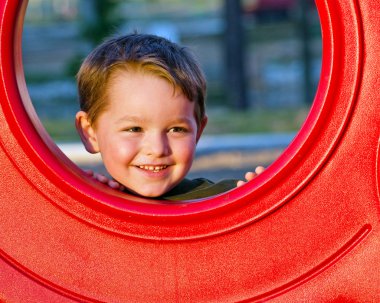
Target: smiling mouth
{"x":153,"y":168}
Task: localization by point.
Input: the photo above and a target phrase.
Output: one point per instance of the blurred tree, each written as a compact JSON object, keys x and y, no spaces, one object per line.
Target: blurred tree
{"x":98,"y":20}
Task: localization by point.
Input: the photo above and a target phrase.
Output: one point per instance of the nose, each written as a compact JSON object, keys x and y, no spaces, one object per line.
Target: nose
{"x":156,"y":144}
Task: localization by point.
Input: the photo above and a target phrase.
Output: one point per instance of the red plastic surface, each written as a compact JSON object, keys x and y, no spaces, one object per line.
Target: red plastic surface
{"x":307,"y":230}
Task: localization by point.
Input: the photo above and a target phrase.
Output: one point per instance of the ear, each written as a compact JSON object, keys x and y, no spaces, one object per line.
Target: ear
{"x":201,"y":127}
{"x":86,"y":132}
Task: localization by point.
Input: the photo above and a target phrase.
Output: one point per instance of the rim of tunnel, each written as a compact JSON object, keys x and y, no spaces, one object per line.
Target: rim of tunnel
{"x":56,"y":167}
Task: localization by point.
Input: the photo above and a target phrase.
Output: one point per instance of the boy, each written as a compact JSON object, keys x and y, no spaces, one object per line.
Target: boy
{"x":142,"y":102}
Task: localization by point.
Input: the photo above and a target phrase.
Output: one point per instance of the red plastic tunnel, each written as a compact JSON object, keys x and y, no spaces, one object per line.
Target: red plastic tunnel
{"x":306,"y":230}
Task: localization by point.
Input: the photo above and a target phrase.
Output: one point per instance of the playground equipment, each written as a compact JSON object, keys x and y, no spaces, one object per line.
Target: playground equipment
{"x":306,"y":230}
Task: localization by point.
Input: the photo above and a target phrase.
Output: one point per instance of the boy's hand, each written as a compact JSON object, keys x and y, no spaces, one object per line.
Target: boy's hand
{"x":250,"y":175}
{"x":103,"y":179}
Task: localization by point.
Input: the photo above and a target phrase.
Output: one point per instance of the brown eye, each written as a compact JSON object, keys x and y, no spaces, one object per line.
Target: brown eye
{"x":178,"y":130}
{"x":135,"y":129}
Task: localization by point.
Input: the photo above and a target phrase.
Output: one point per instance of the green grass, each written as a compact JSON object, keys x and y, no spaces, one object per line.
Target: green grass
{"x":255,"y":121}
{"x":61,"y":130}
{"x":221,"y":121}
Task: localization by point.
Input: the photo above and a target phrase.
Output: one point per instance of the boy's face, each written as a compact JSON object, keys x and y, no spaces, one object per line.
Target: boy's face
{"x":146,"y":135}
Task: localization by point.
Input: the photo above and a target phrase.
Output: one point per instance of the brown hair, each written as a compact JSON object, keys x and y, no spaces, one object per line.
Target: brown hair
{"x":150,"y":53}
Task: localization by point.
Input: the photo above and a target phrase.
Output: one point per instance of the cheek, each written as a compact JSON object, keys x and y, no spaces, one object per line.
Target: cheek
{"x":117,"y":150}
{"x":184,"y":150}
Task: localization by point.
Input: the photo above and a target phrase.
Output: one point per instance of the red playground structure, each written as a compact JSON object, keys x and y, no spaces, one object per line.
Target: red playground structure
{"x":305,"y":230}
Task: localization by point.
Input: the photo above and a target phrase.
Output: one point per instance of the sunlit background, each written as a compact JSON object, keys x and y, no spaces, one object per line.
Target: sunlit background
{"x":261,"y":59}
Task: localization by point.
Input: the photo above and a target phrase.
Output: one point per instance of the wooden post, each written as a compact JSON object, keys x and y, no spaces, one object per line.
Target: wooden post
{"x":305,"y":35}
{"x":235,"y":56}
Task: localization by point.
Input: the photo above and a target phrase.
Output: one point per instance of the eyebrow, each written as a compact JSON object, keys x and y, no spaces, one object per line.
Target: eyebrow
{"x":181,"y":120}
{"x":139,"y":120}
{"x":127,"y":118}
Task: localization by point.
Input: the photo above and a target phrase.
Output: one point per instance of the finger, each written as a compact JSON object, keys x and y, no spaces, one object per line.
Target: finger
{"x":89,"y":172}
{"x":240,"y":183}
{"x":259,"y":169}
{"x":101,"y":178}
{"x":250,"y":175}
{"x":114,"y":184}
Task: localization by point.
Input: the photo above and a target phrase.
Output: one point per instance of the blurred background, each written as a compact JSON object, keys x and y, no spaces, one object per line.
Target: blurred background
{"x":261,"y":59}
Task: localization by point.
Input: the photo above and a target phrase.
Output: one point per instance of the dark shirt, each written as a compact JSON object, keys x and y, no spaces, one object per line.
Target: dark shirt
{"x":198,"y":188}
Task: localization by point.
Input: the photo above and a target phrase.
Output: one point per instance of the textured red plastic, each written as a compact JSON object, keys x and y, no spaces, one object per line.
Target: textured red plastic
{"x":306,"y":230}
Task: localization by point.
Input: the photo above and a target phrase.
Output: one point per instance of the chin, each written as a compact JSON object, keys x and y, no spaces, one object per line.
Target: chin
{"x":144,"y":195}
{"x":149,"y":190}
{"x":148,"y":194}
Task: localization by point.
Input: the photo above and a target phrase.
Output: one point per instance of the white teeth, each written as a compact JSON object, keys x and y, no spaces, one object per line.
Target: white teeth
{"x":153,"y":168}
